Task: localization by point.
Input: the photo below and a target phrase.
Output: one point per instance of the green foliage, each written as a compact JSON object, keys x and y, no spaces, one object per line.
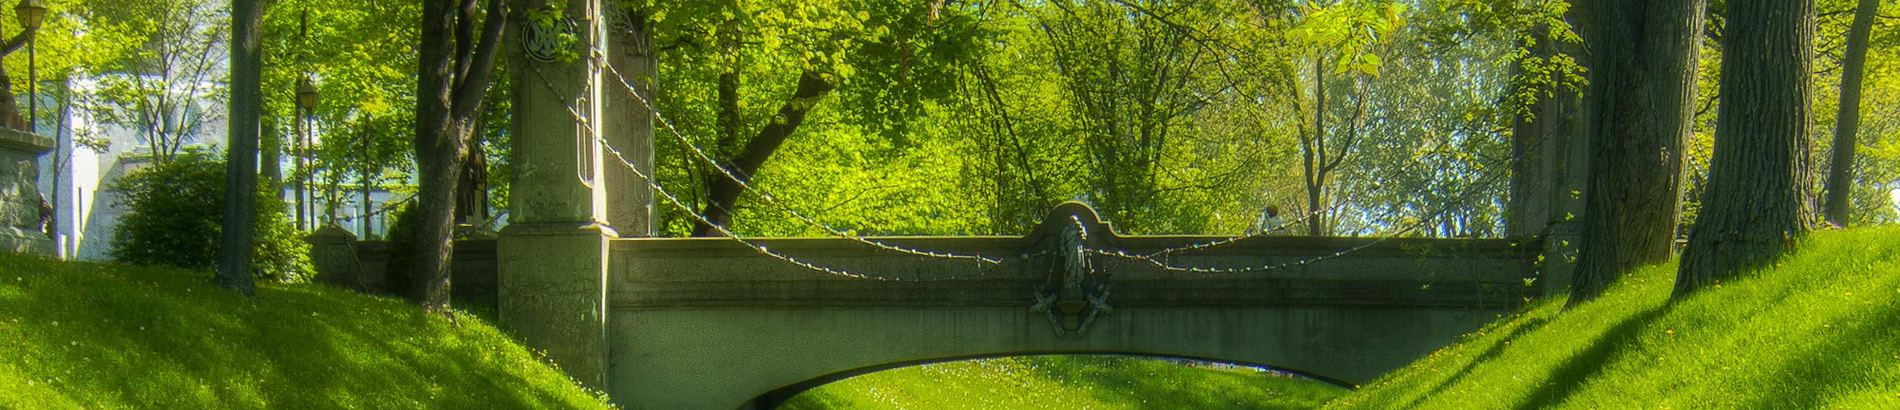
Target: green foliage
{"x":361,"y":57}
{"x":1168,"y":116}
{"x":402,"y":231}
{"x":175,"y":216}
{"x":1815,"y":331}
{"x":90,"y":335}
{"x":1067,"y":382}
{"x":164,"y":91}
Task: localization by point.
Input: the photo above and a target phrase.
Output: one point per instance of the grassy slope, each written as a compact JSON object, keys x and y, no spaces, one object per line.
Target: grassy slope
{"x":1067,"y":382}
{"x":1820,"y":330}
{"x":96,"y":335}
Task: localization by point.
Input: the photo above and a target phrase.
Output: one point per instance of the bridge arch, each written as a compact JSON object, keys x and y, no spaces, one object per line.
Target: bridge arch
{"x":727,"y":357}
{"x":777,"y":396}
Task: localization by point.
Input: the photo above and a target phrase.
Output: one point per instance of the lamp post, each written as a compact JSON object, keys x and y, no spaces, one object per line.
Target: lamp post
{"x":31,"y":12}
{"x":306,"y":105}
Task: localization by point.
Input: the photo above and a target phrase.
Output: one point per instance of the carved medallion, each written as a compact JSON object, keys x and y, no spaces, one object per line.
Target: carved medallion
{"x":543,"y":42}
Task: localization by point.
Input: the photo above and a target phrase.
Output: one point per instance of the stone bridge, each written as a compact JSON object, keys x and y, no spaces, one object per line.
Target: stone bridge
{"x":710,"y":323}
{"x":713,"y":323}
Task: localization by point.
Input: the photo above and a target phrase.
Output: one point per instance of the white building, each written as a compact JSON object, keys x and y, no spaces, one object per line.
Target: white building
{"x":87,"y":211}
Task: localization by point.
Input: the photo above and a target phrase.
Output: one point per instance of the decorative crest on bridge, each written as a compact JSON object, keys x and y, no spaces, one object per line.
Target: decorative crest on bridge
{"x":1074,"y":293}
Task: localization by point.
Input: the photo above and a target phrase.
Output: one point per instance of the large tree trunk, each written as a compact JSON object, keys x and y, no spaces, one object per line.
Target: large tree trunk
{"x":1644,"y":89}
{"x":240,"y":169}
{"x":1840,"y":174}
{"x":1760,"y":178}
{"x":451,"y":84}
{"x":725,"y":191}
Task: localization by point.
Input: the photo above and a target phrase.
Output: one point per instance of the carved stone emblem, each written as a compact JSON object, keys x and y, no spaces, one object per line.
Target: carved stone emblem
{"x":543,"y":42}
{"x":1074,"y":294}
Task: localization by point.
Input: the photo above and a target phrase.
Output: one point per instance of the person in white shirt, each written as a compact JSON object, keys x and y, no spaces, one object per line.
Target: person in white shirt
{"x":1269,"y":222}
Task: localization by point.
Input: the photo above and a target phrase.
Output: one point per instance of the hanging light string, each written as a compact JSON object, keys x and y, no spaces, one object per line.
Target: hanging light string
{"x":767,"y":196}
{"x":1270,"y":231}
{"x":1156,"y":259}
{"x":681,"y":205}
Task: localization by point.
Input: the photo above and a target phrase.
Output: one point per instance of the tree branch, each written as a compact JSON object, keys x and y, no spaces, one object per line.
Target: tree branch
{"x":725,"y":192}
{"x":471,"y":86}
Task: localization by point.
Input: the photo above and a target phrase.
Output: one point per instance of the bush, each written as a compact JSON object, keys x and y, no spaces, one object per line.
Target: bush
{"x":402,"y":233}
{"x":175,"y":210}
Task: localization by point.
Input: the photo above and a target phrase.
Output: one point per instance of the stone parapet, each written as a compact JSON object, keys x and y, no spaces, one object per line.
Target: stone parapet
{"x":20,"y":200}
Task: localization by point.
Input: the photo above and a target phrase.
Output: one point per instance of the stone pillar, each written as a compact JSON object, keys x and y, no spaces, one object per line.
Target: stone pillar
{"x":333,"y":252}
{"x":552,"y":257}
{"x":20,"y":201}
{"x":628,"y":121}
{"x":1549,"y":176}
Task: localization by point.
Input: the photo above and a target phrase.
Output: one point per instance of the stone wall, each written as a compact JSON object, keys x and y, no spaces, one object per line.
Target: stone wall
{"x":20,"y":228}
{"x":342,"y":260}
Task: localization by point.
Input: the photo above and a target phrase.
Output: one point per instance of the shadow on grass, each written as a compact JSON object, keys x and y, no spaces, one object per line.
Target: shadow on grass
{"x":144,"y":337}
{"x":1821,"y":371}
{"x":1489,"y":353}
{"x":1564,"y":379}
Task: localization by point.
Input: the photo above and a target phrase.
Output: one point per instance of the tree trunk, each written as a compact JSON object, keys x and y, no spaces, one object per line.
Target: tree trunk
{"x":240,"y":169}
{"x":271,"y":150}
{"x":1760,"y":177}
{"x":1644,"y":92}
{"x":1315,"y":154}
{"x":451,"y":84}
{"x":367,"y":178}
{"x":725,"y":191}
{"x":1840,"y":175}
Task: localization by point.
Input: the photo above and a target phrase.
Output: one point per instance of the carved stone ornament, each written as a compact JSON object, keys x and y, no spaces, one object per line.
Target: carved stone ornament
{"x":543,"y":43}
{"x":1074,"y":294}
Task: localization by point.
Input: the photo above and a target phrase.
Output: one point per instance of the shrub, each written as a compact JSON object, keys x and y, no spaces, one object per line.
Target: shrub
{"x":175,"y":211}
{"x":402,"y":232}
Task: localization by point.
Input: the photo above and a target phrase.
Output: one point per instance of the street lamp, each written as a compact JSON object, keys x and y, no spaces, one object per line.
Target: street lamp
{"x":306,"y":105}
{"x":306,"y":94}
{"x":30,"y":13}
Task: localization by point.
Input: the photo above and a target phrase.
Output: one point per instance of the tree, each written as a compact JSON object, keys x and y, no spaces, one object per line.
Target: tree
{"x":1760,"y":185}
{"x":1345,"y":38}
{"x":457,"y":53}
{"x":362,"y":58}
{"x":1641,"y":92}
{"x":240,"y":175}
{"x":159,"y":89}
{"x":768,"y":66}
{"x":1840,"y":175}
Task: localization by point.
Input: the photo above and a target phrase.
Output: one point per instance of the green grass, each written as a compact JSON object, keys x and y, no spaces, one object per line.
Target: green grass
{"x":91,"y":335}
{"x":1819,"y":330}
{"x":1067,"y":382}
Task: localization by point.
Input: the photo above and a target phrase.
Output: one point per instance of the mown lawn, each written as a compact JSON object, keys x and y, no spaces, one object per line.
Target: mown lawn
{"x":92,"y":335}
{"x":1820,"y":330}
{"x":1068,"y":382}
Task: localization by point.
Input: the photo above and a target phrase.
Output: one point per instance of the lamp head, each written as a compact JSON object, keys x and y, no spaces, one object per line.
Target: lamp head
{"x":30,"y":13}
{"x":306,"y":94}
